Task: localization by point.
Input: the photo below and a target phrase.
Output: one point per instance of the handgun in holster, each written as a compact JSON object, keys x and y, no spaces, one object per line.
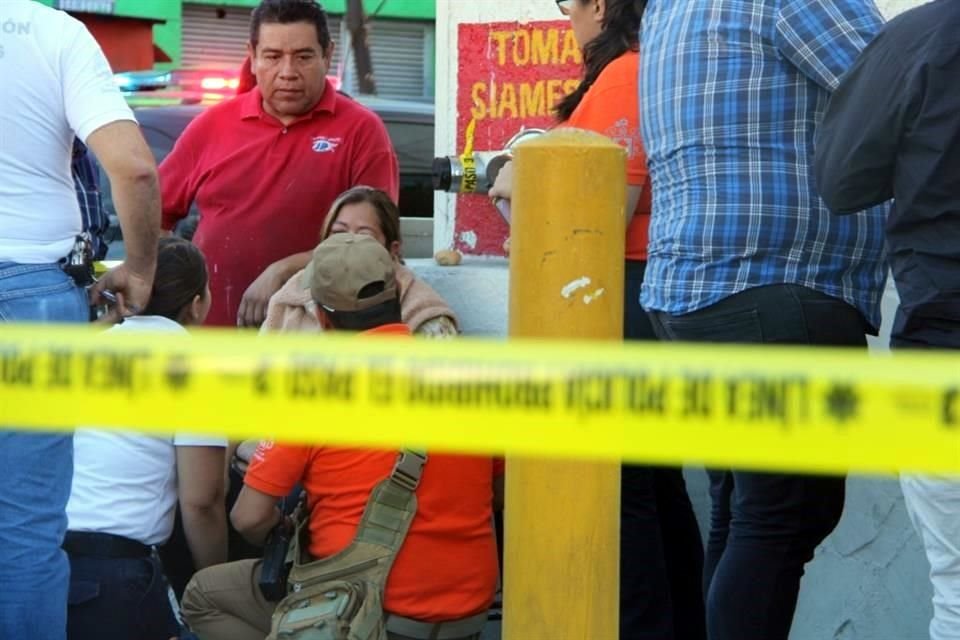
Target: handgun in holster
{"x":78,"y":264}
{"x":274,"y":568}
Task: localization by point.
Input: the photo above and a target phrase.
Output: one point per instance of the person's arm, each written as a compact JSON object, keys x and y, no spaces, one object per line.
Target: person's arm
{"x":273,"y":472}
{"x":256,"y":299}
{"x":255,"y":514}
{"x":601,"y":112}
{"x":128,"y":163}
{"x":503,"y":184}
{"x":291,"y":309}
{"x":437,"y":327}
{"x":822,"y":38}
{"x":857,"y":141}
{"x":200,"y":486}
{"x":503,"y":188}
{"x":100,"y":118}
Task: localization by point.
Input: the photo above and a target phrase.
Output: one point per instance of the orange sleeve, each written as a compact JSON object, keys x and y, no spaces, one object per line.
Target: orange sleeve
{"x":612,"y":110}
{"x":276,"y":468}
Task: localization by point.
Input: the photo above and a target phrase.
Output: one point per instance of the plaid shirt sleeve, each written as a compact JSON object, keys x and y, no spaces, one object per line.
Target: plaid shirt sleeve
{"x":822,"y":38}
{"x":86,"y":181}
{"x":88,"y":190}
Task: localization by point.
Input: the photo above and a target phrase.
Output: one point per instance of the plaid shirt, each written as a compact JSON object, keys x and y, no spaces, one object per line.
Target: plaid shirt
{"x":731,"y":94}
{"x":86,"y":180}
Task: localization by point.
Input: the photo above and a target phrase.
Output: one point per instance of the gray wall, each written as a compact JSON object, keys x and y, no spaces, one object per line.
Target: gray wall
{"x":868,"y":580}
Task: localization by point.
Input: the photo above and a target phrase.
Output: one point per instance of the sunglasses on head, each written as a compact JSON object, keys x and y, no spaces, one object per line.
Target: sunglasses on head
{"x":564,"y":6}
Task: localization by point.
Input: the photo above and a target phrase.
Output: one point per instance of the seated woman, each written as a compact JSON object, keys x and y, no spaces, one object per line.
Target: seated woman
{"x":126,"y":487}
{"x":365,"y":211}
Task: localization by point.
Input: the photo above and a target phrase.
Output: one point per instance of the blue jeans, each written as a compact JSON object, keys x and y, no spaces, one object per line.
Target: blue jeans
{"x":36,"y":473}
{"x":764,"y":527}
{"x":119,"y":599}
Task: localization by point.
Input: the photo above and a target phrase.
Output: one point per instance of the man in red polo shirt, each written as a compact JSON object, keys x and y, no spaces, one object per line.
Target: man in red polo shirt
{"x":265,"y":167}
{"x":445,"y":574}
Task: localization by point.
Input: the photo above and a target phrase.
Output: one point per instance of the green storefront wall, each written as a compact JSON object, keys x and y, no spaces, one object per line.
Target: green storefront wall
{"x":404,"y":9}
{"x":167,"y":35}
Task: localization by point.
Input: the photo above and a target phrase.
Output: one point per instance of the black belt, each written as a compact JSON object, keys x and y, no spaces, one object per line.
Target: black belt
{"x":103,"y":545}
{"x":408,"y":629}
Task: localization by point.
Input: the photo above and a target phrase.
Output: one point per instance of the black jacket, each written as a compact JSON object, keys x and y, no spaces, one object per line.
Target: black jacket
{"x":892,"y":130}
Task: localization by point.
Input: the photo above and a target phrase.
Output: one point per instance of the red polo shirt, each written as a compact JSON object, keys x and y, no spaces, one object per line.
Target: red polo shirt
{"x":264,"y":189}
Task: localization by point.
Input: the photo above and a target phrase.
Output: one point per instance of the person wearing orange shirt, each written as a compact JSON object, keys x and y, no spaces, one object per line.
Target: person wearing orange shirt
{"x":445,"y":574}
{"x":661,"y":552}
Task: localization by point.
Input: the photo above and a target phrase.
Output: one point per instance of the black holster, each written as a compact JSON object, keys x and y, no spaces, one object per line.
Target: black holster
{"x":274,"y":570}
{"x":78,"y":264}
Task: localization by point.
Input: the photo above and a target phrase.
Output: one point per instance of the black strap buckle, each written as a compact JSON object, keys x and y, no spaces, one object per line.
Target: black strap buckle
{"x":408,"y":469}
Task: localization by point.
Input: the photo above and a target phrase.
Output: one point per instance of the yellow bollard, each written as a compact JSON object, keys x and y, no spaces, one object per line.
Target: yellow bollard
{"x":561,"y":564}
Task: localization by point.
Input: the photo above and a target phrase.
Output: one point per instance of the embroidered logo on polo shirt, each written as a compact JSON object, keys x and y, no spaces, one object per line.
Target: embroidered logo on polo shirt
{"x":323,"y":144}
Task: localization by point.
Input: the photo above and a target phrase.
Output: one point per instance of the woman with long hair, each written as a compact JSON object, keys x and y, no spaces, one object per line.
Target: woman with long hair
{"x":127,"y":487}
{"x":661,"y":552}
{"x":366,"y":211}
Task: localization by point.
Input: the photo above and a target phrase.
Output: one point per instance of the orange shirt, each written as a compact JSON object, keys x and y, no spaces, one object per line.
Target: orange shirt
{"x":611,"y":107}
{"x":395,"y":329}
{"x":447,"y":567}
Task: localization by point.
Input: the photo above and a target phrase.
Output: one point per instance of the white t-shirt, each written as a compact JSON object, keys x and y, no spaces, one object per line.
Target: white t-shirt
{"x":54,"y":83}
{"x":126,"y":484}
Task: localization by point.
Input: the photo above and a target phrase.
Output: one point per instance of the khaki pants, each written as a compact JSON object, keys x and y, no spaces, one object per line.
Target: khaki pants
{"x":223,"y":602}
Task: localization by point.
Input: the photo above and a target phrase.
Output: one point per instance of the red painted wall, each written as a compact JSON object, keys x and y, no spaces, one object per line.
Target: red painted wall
{"x":510,"y":75}
{"x":127,"y":42}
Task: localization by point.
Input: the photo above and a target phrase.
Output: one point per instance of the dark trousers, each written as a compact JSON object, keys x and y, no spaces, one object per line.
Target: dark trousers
{"x":765,"y":526}
{"x":119,"y":599}
{"x":661,"y":553}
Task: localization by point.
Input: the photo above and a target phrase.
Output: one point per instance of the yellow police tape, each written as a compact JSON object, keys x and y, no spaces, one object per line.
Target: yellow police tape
{"x":468,"y":183}
{"x":784,"y":408}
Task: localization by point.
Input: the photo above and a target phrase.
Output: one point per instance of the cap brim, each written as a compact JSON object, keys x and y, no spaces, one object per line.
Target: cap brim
{"x":366,"y":303}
